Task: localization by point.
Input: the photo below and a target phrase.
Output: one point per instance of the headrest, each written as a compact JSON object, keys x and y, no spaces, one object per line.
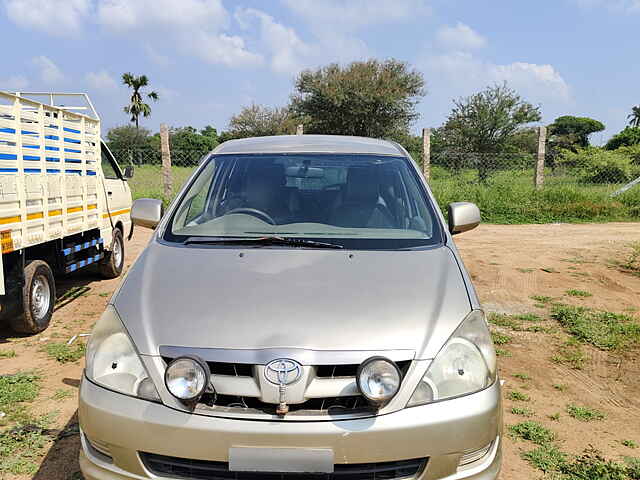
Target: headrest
{"x":362,"y":184}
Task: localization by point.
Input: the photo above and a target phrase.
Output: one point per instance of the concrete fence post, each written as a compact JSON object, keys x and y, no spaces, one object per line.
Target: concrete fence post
{"x":542,"y":149}
{"x":300,"y":129}
{"x":426,"y":153}
{"x":166,"y":160}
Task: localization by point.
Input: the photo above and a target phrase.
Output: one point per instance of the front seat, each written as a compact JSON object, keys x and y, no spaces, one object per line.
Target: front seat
{"x":362,"y":207}
{"x":265,"y":190}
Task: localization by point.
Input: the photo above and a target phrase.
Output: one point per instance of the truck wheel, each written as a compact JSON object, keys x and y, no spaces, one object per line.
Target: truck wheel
{"x":38,"y":299}
{"x":112,"y":267}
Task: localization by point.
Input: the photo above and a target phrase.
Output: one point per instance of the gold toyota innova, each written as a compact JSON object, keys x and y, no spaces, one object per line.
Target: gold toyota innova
{"x":301,"y":312}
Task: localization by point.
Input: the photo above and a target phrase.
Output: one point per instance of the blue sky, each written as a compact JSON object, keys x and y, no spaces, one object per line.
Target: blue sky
{"x":208,"y":58}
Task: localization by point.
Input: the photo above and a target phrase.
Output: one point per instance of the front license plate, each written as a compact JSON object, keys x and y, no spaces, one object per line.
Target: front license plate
{"x":289,"y":460}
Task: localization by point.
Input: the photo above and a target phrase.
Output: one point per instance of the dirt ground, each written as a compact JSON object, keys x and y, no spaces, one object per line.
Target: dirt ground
{"x":509,"y":265}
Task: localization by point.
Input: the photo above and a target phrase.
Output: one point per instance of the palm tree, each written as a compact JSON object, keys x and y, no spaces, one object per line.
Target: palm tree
{"x":634,"y":117}
{"x":136,"y":104}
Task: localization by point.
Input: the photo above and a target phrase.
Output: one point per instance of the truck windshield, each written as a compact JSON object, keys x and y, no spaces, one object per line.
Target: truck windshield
{"x":355,"y":201}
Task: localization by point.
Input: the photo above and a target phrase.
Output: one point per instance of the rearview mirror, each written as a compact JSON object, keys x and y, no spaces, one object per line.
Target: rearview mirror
{"x":128,"y":171}
{"x":146,"y":212}
{"x":463,"y":216}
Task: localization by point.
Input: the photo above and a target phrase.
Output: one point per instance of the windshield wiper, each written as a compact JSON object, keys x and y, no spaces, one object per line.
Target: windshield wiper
{"x":261,"y":241}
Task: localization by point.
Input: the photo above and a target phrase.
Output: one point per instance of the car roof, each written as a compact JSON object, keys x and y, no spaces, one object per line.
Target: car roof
{"x":310,"y":144}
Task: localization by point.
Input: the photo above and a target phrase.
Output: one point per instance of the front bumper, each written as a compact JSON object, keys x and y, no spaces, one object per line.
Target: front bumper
{"x":441,"y":432}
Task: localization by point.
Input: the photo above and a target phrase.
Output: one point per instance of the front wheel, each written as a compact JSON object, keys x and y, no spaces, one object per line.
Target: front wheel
{"x":34,"y":313}
{"x":114,"y":263}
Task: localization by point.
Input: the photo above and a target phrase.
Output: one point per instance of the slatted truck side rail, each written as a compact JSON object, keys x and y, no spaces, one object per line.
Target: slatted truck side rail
{"x":52,"y":200}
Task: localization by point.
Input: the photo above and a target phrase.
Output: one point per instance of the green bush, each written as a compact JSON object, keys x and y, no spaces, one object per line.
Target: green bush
{"x":595,"y":165}
{"x":628,"y":136}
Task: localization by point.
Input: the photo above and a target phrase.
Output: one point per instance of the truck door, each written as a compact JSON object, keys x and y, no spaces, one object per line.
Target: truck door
{"x":117,"y":190}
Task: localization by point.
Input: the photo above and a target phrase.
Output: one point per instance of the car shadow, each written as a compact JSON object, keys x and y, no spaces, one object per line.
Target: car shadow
{"x":61,"y":461}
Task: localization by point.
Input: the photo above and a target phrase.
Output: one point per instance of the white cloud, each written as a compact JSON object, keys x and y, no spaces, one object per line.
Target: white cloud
{"x":466,"y":74}
{"x":126,"y":14}
{"x":14,"y":83}
{"x":287,"y":50}
{"x":50,"y":74}
{"x":55,"y":17}
{"x":196,"y":26}
{"x":357,"y":13}
{"x":336,"y":23}
{"x":459,"y":37}
{"x":101,"y":80}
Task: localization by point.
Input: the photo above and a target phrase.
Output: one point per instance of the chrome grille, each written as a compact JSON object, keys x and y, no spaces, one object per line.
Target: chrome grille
{"x":330,"y":390}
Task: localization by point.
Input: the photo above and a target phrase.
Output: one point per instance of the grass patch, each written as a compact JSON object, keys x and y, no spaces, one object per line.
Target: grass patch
{"x":555,"y":417}
{"x":529,"y":317}
{"x":501,"y":352}
{"x":541,"y":298}
{"x":525,"y":270}
{"x":561,"y":387}
{"x":517,"y":396}
{"x":7,"y":353}
{"x":571,"y":353}
{"x":584,"y":414}
{"x":604,"y":330}
{"x":547,"y":458}
{"x":502,"y":320}
{"x":522,"y":376}
{"x":578,"y":293}
{"x":522,"y":411}
{"x":61,"y":394}
{"x":20,"y":445}
{"x":532,"y":431}
{"x":633,"y":467}
{"x":591,"y":465}
{"x":629,"y":443}
{"x":500,"y":338}
{"x":18,"y":388}
{"x":509,"y":196}
{"x":64,"y":353}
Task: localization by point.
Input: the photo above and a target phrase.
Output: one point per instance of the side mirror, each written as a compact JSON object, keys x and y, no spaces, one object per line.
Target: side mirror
{"x":146,"y":212}
{"x":128,"y":171}
{"x":463,"y":216}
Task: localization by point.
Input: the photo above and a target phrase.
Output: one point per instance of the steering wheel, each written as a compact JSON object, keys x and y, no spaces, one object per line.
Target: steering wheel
{"x":254,"y":212}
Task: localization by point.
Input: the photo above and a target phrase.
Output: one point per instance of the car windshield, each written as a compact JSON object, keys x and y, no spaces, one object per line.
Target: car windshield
{"x":354,"y":201}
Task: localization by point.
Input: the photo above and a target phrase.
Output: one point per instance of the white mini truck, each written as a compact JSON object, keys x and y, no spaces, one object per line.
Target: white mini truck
{"x":64,"y":202}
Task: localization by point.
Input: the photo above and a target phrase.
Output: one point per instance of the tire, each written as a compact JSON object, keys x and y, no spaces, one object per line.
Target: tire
{"x":33,"y":313}
{"x":114,"y":261}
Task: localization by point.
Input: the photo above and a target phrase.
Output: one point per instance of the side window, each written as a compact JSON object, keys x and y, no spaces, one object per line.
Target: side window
{"x":198,"y":195}
{"x":109,"y":167}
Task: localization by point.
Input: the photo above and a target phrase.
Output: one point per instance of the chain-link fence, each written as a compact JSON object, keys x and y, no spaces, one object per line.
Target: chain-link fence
{"x":148,"y":180}
{"x":508,"y":187}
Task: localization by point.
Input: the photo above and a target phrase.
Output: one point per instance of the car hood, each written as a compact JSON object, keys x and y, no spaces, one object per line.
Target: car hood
{"x":253,"y":298}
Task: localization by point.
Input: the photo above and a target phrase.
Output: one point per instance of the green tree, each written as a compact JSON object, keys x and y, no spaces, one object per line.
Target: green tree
{"x":137,"y":106}
{"x":260,"y":121}
{"x":634,"y":117}
{"x":127,"y":137}
{"x":575,"y":129}
{"x":486,"y":123}
{"x":627,"y":137}
{"x":372,"y":98}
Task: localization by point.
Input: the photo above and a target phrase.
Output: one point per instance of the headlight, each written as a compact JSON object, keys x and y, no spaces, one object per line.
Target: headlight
{"x":187,"y":378}
{"x":378,"y":379}
{"x":112,"y":361}
{"x":466,"y":364}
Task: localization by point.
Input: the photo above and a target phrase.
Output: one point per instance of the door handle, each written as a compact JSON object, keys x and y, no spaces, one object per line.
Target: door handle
{"x":109,"y":193}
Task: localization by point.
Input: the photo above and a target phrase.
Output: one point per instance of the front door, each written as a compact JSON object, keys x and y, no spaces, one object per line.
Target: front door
{"x":117,"y":191}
